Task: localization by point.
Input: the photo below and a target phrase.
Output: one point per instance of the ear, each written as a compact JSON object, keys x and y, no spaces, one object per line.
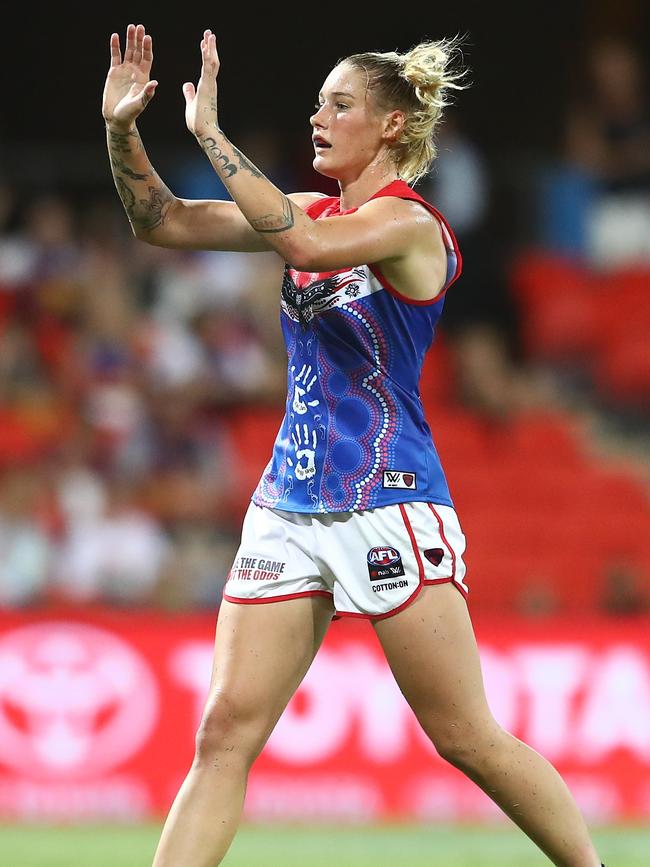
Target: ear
{"x":393,"y":125}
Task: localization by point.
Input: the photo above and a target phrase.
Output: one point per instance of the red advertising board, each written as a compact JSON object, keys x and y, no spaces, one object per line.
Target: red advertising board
{"x":98,"y":711}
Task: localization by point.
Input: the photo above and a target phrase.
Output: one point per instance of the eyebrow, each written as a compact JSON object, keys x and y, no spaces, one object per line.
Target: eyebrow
{"x":340,"y":93}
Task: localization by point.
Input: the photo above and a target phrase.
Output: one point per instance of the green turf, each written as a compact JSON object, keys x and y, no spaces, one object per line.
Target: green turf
{"x":411,"y":846}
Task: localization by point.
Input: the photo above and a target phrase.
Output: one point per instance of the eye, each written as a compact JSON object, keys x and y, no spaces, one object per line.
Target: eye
{"x":342,"y":105}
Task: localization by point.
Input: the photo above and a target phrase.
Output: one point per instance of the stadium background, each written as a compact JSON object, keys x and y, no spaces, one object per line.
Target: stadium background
{"x":140,"y":391}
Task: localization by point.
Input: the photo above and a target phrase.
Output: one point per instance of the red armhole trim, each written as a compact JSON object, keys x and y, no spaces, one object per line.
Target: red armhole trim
{"x":448,"y":235}
{"x":396,"y":294}
{"x":454,"y":243}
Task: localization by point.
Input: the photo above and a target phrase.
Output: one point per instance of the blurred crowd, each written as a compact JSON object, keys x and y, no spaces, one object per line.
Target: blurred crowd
{"x":596,"y":196}
{"x":120,"y":362}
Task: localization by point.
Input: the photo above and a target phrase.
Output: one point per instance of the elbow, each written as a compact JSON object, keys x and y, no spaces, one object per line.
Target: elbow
{"x":304,"y":257}
{"x":148,"y":236}
{"x":152,"y":228}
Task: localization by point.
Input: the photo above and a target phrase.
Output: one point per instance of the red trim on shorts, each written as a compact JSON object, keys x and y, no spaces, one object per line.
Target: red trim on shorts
{"x":458,"y":586}
{"x":383,"y":616}
{"x":452,"y":554}
{"x":324,"y":593}
{"x":409,"y":530}
{"x":402,"y":606}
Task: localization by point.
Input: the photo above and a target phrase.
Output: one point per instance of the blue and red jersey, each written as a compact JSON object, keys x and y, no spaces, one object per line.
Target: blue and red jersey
{"x":354,"y":435}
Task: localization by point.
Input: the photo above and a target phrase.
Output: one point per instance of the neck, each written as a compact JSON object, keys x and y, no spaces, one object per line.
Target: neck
{"x":356,"y":191}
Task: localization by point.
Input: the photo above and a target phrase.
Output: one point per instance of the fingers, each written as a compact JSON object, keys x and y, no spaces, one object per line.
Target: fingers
{"x":189,"y":91}
{"x":209,"y":49}
{"x":148,"y":92}
{"x":137,"y":53}
{"x":139,"y":48}
{"x":116,"y":54}
{"x":147,"y":50}
{"x":130,"y":44}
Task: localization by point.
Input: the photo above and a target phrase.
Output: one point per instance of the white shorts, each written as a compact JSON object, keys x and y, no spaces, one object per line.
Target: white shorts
{"x":370,"y":564}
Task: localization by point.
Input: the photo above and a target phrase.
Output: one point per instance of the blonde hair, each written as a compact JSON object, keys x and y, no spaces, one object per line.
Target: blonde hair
{"x":416,"y":82}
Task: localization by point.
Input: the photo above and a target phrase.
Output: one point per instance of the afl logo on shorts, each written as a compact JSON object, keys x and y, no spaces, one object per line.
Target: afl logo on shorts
{"x":384,"y":562}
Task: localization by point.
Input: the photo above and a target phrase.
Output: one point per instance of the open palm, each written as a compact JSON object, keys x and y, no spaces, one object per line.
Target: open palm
{"x":128,"y":88}
{"x":201,"y":101}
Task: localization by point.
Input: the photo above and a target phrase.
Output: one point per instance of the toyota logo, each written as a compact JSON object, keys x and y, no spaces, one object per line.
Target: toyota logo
{"x":75,"y":700}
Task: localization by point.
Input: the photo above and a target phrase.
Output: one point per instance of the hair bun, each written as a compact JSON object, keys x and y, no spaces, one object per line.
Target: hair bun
{"x":428,"y":67}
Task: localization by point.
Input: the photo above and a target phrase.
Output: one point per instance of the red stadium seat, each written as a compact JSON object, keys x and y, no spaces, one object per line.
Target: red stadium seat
{"x":436,"y":382}
{"x":562,"y":325}
{"x":537,"y":274}
{"x":547,"y":437}
{"x":252,"y":432}
{"x":623,"y":370}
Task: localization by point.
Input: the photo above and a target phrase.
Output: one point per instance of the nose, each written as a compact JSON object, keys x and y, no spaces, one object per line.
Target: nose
{"x":317,"y":119}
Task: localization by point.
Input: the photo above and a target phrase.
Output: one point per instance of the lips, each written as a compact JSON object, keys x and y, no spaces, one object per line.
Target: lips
{"x":320,"y":142}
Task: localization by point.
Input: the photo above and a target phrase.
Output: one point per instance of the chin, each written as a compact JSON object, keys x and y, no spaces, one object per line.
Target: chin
{"x":325,"y":170}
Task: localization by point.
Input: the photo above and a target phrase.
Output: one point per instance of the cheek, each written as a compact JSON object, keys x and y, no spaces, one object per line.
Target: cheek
{"x":357,"y":135}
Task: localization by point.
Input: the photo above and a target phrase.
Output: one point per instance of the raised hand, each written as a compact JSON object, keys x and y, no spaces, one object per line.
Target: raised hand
{"x":128,"y":88}
{"x":201,"y":102}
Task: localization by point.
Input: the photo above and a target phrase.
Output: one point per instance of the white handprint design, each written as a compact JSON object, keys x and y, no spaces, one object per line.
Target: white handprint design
{"x":302,"y":441}
{"x":305,"y":379}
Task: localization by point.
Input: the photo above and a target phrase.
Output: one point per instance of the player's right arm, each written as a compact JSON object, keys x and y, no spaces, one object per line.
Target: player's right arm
{"x":159,"y":217}
{"x":155,"y":213}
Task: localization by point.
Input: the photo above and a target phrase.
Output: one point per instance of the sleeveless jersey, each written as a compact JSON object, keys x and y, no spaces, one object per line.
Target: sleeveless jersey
{"x":354,"y":435}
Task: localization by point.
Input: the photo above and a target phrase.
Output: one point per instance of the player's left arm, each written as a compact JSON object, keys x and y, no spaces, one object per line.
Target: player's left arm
{"x":387,"y":229}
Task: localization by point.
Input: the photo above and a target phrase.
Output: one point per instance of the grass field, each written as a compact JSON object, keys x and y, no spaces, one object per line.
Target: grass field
{"x":397,"y":846}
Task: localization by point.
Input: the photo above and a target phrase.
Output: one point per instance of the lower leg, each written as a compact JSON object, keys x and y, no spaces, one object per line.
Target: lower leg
{"x":432,"y":651}
{"x":262,"y":653}
{"x":205,"y":814}
{"x":532,"y":793}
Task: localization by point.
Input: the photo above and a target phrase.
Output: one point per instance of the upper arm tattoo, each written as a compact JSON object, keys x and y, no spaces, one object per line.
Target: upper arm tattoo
{"x":276,"y":222}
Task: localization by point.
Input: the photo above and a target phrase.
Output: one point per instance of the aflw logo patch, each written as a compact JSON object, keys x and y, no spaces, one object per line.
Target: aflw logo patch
{"x":398,"y":479}
{"x":384,"y":562}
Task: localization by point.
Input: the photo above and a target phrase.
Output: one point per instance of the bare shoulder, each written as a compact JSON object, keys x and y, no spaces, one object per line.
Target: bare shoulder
{"x":304,"y":200}
{"x":407,"y":210}
{"x":419,"y":271}
{"x":408,"y":216}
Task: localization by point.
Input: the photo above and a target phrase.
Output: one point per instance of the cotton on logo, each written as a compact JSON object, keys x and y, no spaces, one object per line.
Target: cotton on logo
{"x":75,"y":700}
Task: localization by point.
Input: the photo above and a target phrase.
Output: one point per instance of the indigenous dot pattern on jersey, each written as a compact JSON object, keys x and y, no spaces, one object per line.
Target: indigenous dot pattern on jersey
{"x":353,"y":411}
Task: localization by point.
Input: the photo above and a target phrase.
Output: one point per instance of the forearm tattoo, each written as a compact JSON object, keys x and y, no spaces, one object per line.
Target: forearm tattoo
{"x":120,"y":142}
{"x":269,"y":223}
{"x":128,"y":172}
{"x":145,"y":206}
{"x":146,"y":213}
{"x":245,"y":163}
{"x":220,"y":160}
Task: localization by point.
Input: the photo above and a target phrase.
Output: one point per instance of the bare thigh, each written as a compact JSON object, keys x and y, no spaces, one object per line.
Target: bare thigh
{"x":432,"y":651}
{"x":262,"y":653}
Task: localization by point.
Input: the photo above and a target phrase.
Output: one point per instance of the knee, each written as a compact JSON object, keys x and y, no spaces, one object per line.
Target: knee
{"x":467,"y":747}
{"x":228,"y":726}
